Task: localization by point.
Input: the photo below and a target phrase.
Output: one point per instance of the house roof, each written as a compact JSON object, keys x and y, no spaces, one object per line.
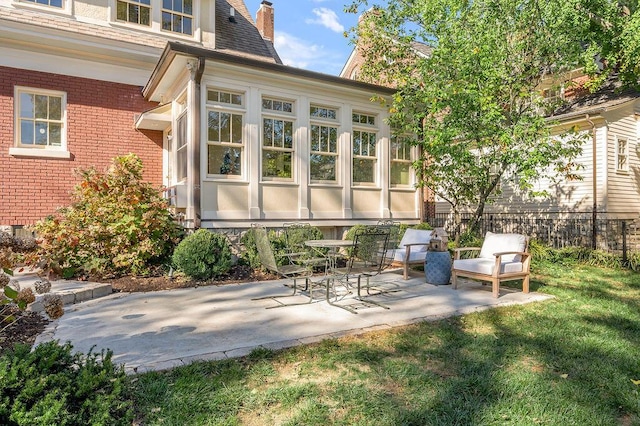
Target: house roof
{"x":422,"y":48}
{"x":239,"y":38}
{"x":240,"y":35}
{"x":611,"y":95}
{"x":174,"y":50}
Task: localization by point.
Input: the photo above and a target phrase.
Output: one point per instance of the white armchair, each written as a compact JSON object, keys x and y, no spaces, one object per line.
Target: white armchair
{"x":412,"y":249}
{"x":503,"y":257}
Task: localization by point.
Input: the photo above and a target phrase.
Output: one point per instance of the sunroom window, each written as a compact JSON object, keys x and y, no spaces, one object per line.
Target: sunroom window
{"x":323,"y":159}
{"x":400,"y":157}
{"x":278,"y":151}
{"x":225,"y":141}
{"x":364,"y":144}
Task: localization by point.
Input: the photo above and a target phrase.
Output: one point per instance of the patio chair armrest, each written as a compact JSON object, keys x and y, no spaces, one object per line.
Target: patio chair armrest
{"x":415,"y":244}
{"x":457,"y":251}
{"x":295,"y":255}
{"x":407,"y":249}
{"x":521,"y":253}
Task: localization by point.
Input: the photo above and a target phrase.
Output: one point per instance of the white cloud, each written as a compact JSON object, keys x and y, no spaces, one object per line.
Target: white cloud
{"x":327,"y":18}
{"x":300,"y":53}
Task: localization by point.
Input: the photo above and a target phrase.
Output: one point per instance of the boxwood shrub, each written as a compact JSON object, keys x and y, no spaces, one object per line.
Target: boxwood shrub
{"x":203,"y":255}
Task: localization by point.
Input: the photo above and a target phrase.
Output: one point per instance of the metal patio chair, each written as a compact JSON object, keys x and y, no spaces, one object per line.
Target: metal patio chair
{"x":295,"y":235}
{"x":290,"y":271}
{"x":369,"y":257}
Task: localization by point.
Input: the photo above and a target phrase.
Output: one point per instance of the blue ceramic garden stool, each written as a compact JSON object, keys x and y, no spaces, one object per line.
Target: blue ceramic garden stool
{"x":437,"y":267}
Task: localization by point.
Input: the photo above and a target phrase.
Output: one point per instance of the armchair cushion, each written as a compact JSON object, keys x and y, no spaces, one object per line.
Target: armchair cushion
{"x":499,"y":243}
{"x":413,"y":236}
{"x":400,"y":255}
{"x":485,"y":266}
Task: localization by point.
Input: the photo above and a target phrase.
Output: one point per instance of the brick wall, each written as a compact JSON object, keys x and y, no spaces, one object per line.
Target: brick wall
{"x":100,"y":118}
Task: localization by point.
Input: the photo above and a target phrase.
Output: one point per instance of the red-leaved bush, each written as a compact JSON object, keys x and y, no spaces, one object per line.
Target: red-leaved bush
{"x":116,"y":224}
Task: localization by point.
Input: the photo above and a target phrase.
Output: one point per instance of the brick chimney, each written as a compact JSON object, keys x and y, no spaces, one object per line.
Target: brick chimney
{"x":264,"y":20}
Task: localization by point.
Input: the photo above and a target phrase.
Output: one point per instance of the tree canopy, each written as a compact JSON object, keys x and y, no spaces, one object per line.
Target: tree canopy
{"x":474,"y":103}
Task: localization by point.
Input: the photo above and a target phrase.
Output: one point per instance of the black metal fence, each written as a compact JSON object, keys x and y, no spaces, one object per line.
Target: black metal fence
{"x":620,"y":236}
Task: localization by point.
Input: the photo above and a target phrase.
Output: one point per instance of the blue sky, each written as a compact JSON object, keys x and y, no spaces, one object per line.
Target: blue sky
{"x":309,"y":33}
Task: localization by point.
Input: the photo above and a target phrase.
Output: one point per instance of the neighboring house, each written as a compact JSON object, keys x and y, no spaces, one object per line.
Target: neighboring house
{"x":196,"y":89}
{"x":610,"y":161}
{"x":353,"y":67}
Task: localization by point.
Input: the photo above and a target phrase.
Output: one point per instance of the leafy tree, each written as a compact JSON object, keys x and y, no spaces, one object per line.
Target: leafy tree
{"x":474,"y":103}
{"x":117,"y":223}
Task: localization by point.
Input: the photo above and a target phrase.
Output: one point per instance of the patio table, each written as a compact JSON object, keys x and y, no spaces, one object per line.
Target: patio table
{"x":332,"y":257}
{"x":333,"y":246}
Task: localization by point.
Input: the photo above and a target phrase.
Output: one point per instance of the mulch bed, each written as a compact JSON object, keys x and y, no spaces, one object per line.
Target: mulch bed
{"x":25,"y":329}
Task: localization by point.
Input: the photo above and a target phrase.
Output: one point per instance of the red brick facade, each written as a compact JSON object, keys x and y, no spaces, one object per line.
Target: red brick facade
{"x":100,"y":126}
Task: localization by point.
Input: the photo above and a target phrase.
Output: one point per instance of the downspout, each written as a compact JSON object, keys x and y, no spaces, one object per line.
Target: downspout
{"x":594,"y":189}
{"x":196,"y":75}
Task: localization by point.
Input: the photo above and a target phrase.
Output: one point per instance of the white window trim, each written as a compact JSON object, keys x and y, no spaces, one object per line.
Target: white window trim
{"x":38,"y":153}
{"x":65,"y":10}
{"x":156,"y":21}
{"x":326,"y":122}
{"x":41,"y":152}
{"x":626,"y":154}
{"x":243,"y":146}
{"x":362,"y":127}
{"x":284,"y":116}
{"x":393,"y":160}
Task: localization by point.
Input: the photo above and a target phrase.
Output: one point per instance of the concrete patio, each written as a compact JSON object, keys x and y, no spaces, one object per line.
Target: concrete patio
{"x":165,"y":329}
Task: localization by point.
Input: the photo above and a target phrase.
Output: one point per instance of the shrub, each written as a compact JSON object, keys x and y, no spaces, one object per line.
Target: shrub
{"x":117,"y":223}
{"x":423,"y":226}
{"x":51,"y":385}
{"x":250,"y":253}
{"x":203,"y":255}
{"x":634,"y":261}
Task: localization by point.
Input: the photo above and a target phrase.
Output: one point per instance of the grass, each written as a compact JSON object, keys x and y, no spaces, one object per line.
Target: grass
{"x":573,"y":360}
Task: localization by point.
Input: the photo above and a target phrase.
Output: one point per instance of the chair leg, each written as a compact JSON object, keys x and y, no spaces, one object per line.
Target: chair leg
{"x":495,"y":285}
{"x":525,"y":284}
{"x":362,"y":299}
{"x":454,"y":279}
{"x":405,"y":271}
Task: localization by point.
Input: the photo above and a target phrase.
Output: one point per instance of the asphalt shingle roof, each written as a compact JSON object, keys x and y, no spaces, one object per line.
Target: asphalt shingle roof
{"x":609,"y":96}
{"x":241,"y":36}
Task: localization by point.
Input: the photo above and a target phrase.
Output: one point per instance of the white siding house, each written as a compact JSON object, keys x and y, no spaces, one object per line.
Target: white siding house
{"x":610,"y":163}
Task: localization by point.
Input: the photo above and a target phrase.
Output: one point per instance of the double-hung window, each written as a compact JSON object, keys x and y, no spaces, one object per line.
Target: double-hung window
{"x":134,"y":11}
{"x":400,"y":159}
{"x":177,"y":16}
{"x":364,"y":144}
{"x":52,"y":3}
{"x":182,"y":148}
{"x":40,"y":119}
{"x":225,"y":140}
{"x":323,"y":160}
{"x":278,"y":151}
{"x":622,"y":154}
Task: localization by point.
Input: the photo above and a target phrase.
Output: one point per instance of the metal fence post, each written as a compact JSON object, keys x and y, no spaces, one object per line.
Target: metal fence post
{"x":624,"y":242}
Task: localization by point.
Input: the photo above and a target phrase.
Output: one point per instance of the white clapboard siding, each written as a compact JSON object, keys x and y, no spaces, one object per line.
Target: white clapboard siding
{"x":623,"y":186}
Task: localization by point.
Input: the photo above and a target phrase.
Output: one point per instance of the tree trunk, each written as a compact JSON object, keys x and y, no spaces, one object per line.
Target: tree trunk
{"x":474,"y":224}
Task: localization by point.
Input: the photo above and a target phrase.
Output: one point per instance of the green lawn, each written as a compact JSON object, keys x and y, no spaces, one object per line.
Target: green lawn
{"x":572,"y":360}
